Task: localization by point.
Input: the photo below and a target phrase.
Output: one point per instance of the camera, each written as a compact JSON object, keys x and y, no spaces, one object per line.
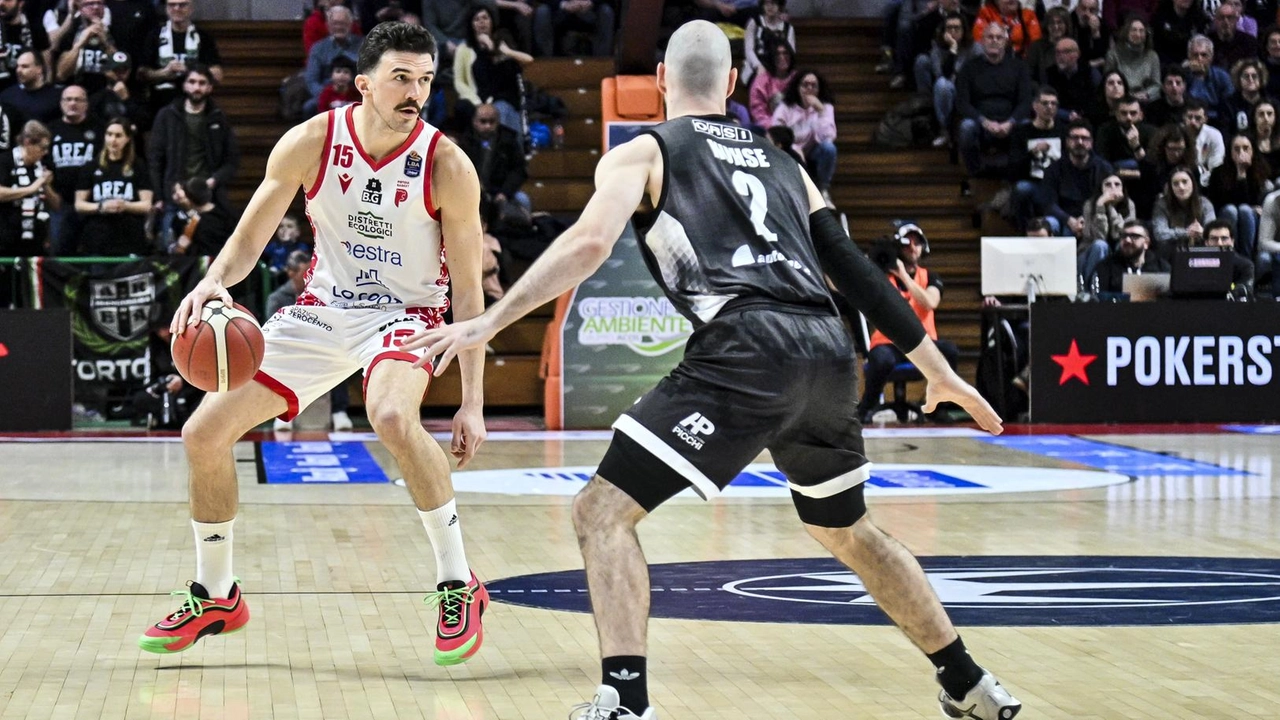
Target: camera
{"x":884,"y":252}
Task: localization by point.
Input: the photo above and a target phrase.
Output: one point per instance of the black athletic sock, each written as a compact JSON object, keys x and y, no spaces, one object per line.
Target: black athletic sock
{"x":627,"y":675}
{"x":957,"y":672}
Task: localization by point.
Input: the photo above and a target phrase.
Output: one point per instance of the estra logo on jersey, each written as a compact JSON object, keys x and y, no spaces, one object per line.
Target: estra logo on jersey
{"x":377,"y":254}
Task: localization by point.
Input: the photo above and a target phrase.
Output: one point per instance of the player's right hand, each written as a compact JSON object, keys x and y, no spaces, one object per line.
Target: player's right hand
{"x":188,"y":313}
{"x":951,"y":388}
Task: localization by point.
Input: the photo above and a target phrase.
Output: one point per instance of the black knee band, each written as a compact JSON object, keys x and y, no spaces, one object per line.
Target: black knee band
{"x":637,"y":472}
{"x":840,"y":510}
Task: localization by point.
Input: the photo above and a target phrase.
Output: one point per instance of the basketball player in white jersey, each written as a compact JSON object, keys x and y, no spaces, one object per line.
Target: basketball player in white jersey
{"x":382,"y":189}
{"x":739,"y":239}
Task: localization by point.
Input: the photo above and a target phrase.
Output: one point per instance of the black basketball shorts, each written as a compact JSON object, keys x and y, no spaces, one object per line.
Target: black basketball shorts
{"x":760,"y":377}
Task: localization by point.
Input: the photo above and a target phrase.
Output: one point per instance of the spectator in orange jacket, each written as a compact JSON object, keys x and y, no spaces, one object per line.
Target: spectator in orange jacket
{"x":1022,"y":24}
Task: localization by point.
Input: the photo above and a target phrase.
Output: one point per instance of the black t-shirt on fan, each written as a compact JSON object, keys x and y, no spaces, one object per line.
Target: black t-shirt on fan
{"x":73,"y":147}
{"x":121,"y":233}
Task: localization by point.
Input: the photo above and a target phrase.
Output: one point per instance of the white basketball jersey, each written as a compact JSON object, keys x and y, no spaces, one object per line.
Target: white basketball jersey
{"x":377,"y":242}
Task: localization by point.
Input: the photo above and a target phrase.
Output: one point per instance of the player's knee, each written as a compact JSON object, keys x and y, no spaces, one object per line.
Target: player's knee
{"x":856,"y":537}
{"x":600,"y":506}
{"x":202,"y":433}
{"x":392,"y":424}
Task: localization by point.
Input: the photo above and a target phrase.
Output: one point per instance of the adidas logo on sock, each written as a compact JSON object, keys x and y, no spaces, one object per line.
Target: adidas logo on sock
{"x":453,"y":520}
{"x":624,"y":674}
{"x":214,"y":538}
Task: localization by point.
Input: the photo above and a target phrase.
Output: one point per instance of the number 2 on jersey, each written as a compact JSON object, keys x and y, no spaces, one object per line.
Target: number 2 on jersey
{"x":751,"y":188}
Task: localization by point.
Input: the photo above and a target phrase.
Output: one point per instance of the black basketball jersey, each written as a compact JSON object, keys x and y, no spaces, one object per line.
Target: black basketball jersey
{"x":732,"y":222}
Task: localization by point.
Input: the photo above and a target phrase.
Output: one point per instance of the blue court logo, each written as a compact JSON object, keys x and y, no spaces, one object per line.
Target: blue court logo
{"x":977,"y":591}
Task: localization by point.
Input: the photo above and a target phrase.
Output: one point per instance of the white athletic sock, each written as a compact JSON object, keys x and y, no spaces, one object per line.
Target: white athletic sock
{"x":213,"y":557}
{"x":445,"y":532}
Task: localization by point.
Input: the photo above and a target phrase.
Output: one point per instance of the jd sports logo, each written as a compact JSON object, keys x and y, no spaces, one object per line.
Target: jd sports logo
{"x":214,"y":538}
{"x":624,"y":674}
{"x":691,"y":427}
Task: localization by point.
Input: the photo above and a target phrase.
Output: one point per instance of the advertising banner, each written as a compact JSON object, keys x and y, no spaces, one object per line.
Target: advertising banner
{"x":35,"y":380}
{"x":114,"y":308}
{"x":620,"y":336}
{"x":1172,"y":361}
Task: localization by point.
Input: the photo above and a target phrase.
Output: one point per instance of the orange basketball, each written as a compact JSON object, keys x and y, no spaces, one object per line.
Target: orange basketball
{"x":222,"y":352}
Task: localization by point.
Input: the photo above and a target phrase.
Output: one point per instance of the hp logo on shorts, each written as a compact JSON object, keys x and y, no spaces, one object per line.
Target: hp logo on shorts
{"x":691,"y":427}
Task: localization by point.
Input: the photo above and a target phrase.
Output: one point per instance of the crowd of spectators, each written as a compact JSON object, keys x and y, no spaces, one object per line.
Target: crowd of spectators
{"x":107,"y":124}
{"x":112,"y":141}
{"x":1154,"y":114}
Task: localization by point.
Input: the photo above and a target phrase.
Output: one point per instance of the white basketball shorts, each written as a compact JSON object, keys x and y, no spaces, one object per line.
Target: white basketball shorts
{"x":310,"y":348}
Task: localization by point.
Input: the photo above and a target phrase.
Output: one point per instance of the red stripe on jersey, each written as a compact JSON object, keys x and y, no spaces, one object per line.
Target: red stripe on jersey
{"x":324,"y":158}
{"x":426,"y":196}
{"x":379,"y":164}
{"x":306,"y":298}
{"x":393,"y":355}
{"x":443,"y":279}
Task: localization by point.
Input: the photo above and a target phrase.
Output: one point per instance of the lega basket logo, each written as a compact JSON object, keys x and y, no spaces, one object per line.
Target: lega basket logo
{"x":723,"y":132}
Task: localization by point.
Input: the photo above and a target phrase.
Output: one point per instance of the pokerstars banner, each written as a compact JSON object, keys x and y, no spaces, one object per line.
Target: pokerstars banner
{"x":1171,"y":361}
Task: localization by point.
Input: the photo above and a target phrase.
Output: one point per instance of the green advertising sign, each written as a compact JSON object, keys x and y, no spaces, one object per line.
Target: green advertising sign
{"x":620,"y":336}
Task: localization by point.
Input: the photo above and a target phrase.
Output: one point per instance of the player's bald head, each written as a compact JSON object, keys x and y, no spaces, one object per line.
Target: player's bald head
{"x":698,"y":59}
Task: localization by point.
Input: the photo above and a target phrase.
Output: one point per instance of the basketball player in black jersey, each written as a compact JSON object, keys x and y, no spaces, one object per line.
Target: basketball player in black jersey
{"x":740,"y":240}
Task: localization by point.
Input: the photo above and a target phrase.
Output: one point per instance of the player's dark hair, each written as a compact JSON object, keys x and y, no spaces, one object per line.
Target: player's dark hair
{"x":393,"y":37}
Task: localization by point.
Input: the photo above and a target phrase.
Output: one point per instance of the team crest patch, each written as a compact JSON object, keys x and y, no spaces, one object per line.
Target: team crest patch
{"x":413,"y":164}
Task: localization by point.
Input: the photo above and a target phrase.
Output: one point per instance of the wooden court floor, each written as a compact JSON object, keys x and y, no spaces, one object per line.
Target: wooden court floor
{"x":93,"y":536}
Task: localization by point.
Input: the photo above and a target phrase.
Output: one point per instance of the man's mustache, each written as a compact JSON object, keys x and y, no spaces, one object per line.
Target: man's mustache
{"x":410,"y":106}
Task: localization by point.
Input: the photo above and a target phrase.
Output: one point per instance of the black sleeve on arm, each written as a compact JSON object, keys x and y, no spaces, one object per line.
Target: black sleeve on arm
{"x":862,"y":283}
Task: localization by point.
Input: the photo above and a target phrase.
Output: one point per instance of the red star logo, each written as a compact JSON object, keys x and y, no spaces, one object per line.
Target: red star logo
{"x":1073,"y":364}
{"x":345,"y":181}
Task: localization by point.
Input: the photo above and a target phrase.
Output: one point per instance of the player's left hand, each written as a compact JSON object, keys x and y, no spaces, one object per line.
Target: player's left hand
{"x":951,"y":388}
{"x":468,"y":434}
{"x":447,"y":341}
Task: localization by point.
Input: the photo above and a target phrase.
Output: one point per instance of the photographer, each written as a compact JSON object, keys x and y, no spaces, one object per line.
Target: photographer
{"x":167,"y":401}
{"x":922,"y":289}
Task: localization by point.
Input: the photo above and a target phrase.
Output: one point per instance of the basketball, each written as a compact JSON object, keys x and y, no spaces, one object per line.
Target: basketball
{"x":222,"y":352}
